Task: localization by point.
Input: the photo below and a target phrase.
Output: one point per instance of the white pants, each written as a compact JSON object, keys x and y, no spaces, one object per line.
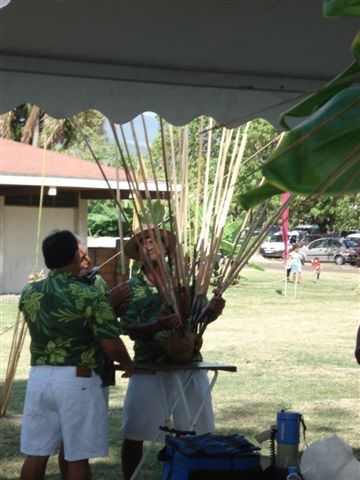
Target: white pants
{"x":144,"y":409}
{"x":63,"y":408}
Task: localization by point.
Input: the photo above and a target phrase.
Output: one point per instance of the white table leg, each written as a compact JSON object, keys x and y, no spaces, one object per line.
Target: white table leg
{"x":168,"y":412}
{"x":206,"y":397}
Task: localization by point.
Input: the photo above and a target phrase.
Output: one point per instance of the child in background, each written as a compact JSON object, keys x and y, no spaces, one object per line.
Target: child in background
{"x":316,"y":267}
{"x":296,"y":263}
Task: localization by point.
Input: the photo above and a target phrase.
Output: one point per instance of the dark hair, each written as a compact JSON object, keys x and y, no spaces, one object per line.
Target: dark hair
{"x":59,"y":248}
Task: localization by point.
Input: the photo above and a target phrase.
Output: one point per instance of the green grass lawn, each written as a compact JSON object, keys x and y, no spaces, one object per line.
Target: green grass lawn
{"x":295,"y":353}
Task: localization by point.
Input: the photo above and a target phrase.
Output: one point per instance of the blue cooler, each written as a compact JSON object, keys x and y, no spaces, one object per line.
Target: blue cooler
{"x":211,"y":457}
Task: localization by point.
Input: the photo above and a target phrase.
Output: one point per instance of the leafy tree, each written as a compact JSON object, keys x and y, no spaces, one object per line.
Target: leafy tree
{"x":103,"y":218}
{"x":330,"y":213}
{"x":260,"y":134}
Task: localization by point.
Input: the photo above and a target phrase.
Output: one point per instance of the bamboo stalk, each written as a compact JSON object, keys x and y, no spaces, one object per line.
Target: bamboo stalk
{"x":176,"y":198}
{"x":157,"y":192}
{"x":223,"y":204}
{"x":120,"y":227}
{"x":135,"y":190}
{"x":241,"y":261}
{"x":153,"y":170}
{"x":207,"y":219}
{"x":162,"y":290}
{"x":236,"y":242}
{"x":19,"y":336}
{"x":173,"y":223}
{"x":198,"y":181}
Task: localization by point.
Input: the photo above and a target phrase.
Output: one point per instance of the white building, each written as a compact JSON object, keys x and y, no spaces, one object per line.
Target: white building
{"x":68,"y":185}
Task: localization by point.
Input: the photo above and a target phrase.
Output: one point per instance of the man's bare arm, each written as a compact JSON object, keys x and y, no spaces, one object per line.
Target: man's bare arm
{"x":115,"y":350}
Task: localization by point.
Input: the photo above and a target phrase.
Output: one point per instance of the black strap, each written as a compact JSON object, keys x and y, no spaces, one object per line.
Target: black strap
{"x":178,"y":433}
{"x":239,"y":443}
{"x":302,"y":421}
{"x":193,"y":446}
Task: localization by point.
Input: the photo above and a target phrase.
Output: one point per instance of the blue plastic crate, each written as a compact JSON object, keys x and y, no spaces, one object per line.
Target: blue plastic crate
{"x":211,"y":457}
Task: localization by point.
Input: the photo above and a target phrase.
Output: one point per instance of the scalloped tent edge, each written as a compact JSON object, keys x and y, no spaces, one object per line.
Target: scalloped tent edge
{"x":233,"y":62}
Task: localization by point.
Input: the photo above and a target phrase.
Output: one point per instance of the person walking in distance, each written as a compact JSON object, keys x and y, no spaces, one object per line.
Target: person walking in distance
{"x":296,"y":263}
{"x":316,"y":268}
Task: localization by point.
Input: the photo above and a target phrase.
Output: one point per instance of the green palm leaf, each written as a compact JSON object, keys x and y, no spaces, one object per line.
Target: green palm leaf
{"x":341,"y":8}
{"x":319,"y":156}
{"x":315,"y":101}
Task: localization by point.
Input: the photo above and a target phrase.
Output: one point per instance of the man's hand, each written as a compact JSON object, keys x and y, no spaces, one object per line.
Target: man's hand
{"x":216,"y":306}
{"x":129,"y":368}
{"x":168,"y":322}
{"x":120,"y":297}
{"x":116,"y":351}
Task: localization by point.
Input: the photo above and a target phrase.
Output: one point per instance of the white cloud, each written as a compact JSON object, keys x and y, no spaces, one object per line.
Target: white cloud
{"x":131,"y":142}
{"x":150,"y":114}
{"x":3,"y":3}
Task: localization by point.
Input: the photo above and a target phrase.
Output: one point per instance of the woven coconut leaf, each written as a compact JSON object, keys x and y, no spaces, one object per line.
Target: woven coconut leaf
{"x":315,"y":101}
{"x":319,"y":156}
{"x":341,"y":8}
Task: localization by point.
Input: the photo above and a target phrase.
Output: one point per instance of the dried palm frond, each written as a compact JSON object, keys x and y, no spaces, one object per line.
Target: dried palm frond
{"x":32,"y":125}
{"x":6,"y":121}
{"x":183,"y":276}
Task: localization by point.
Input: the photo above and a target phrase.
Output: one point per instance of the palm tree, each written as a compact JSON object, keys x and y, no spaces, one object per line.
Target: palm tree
{"x":29,"y":124}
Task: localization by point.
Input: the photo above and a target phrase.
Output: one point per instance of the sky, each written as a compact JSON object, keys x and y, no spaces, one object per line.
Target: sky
{"x":152,"y":126}
{"x":3,"y":3}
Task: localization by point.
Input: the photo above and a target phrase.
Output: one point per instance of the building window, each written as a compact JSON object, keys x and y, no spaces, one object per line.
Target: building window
{"x":62,"y":199}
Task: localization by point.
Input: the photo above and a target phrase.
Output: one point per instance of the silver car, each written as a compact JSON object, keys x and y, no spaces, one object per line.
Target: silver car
{"x":331,"y":249}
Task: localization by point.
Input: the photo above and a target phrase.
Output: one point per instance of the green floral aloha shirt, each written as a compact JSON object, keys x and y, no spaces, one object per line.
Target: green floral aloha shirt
{"x":145,"y":307}
{"x":67,"y":319}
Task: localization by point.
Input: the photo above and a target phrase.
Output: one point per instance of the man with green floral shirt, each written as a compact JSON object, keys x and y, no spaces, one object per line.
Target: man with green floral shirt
{"x":73,"y":329}
{"x":148,"y":323}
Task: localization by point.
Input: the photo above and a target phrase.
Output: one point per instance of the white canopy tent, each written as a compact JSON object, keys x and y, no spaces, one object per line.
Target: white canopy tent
{"x":232,"y":60}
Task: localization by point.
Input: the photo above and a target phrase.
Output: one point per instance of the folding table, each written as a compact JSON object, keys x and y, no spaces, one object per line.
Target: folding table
{"x":176,"y":368}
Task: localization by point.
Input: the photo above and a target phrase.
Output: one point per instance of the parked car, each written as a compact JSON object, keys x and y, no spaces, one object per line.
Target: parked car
{"x":351,"y":236}
{"x":310,"y":237}
{"x":274,"y":246}
{"x":331,"y":249}
{"x":305,"y":228}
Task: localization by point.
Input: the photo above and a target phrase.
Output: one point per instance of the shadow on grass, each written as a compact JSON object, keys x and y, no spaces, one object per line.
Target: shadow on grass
{"x":232,"y":419}
{"x":236,"y":416}
{"x":48,"y":477}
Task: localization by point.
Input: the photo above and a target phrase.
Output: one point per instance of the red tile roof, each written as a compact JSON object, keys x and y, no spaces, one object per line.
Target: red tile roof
{"x":22,"y":159}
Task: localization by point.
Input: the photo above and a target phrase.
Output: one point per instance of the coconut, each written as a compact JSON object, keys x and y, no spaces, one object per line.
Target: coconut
{"x":180,"y":348}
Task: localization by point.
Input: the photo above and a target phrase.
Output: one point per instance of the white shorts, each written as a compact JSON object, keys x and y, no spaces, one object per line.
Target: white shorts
{"x":145,"y":411}
{"x":62,"y":408}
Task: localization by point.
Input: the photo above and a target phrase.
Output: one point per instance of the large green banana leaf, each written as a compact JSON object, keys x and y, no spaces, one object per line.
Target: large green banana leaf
{"x":319,"y":156}
{"x":341,"y":8}
{"x":258,"y":195}
{"x":315,"y":101}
